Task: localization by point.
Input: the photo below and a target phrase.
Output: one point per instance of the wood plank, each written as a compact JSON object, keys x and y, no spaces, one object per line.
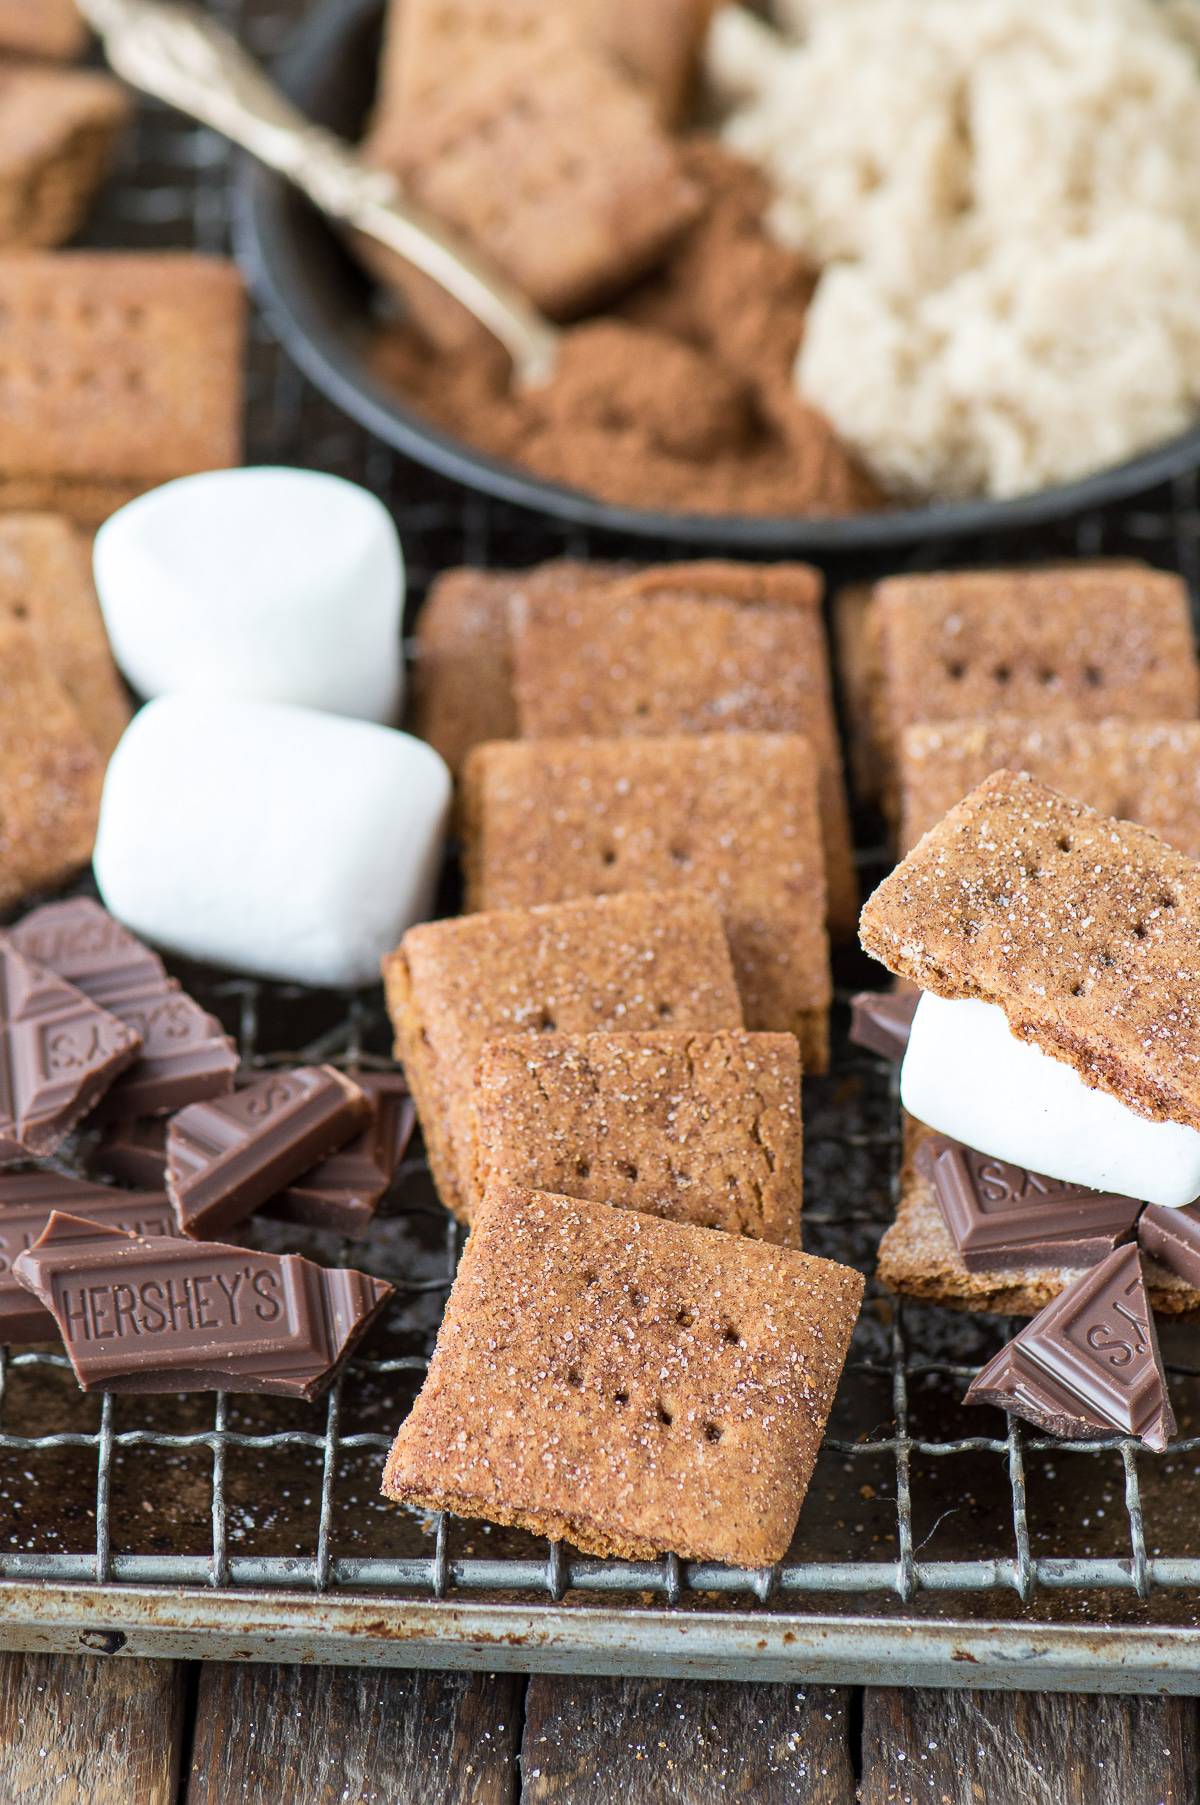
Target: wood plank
{"x":103,"y":1729}
{"x":675,"y":1742}
{"x":1042,"y":1748}
{"x":353,"y":1735}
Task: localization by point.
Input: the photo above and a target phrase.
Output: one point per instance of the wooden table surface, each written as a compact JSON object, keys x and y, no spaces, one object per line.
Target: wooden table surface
{"x":131,"y":1732}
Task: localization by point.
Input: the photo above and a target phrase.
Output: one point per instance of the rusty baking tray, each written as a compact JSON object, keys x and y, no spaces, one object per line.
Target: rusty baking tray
{"x":938,"y":1545}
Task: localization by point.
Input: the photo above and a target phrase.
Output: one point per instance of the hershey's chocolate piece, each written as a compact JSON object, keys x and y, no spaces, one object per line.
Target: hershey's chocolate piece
{"x":186,"y":1054}
{"x":156,"y":1313}
{"x":27,"y":1202}
{"x":1173,"y":1237}
{"x":1003,"y":1217}
{"x":880,"y":1020}
{"x":133,"y":1149}
{"x":59,"y":1052}
{"x":1089,"y":1361}
{"x":343,"y":1192}
{"x":227,"y":1156}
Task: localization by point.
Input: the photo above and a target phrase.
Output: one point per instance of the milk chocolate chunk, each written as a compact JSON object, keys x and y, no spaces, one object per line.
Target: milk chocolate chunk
{"x":880,"y":1020}
{"x":343,"y":1192}
{"x":1003,"y":1217}
{"x":227,"y":1156}
{"x":1173,"y":1238}
{"x":27,"y":1202}
{"x":133,"y":1150}
{"x":155,"y":1313}
{"x":1089,"y":1362}
{"x":186,"y":1054}
{"x":59,"y":1052}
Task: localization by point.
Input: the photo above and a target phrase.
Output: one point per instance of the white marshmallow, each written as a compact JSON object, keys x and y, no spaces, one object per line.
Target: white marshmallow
{"x":281,"y":585}
{"x":967,"y":1075}
{"x":271,"y":839}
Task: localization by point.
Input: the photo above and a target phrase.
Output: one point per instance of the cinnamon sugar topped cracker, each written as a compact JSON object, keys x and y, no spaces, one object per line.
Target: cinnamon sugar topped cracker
{"x":57,"y":130}
{"x":118,"y":369}
{"x":730,"y":816}
{"x":630,"y":1385}
{"x":683,"y":661}
{"x":1067,"y":642}
{"x":700,"y":1128}
{"x":41,"y":28}
{"x":1143,"y":771}
{"x":1084,"y":930}
{"x":620,"y":962}
{"x":46,"y":584}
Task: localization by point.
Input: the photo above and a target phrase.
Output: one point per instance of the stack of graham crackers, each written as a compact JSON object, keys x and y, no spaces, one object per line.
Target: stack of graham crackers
{"x":606,"y":1054}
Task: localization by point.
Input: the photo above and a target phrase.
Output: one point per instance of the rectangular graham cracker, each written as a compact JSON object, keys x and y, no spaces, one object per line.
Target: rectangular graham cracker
{"x":684,"y":661}
{"x":918,"y":1258}
{"x":700,"y":1128}
{"x":120,"y":370}
{"x":630,"y":1385}
{"x":1143,"y":771}
{"x":730,"y":816}
{"x":548,"y":160}
{"x":462,"y":671}
{"x":1084,"y":930}
{"x":50,"y":773}
{"x":52,"y":28}
{"x":46,"y":584}
{"x":853,"y":622}
{"x":1067,"y":642}
{"x":630,"y":963}
{"x":58,"y":128}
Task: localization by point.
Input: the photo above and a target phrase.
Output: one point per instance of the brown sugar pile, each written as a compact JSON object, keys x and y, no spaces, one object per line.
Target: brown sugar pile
{"x":679,"y":397}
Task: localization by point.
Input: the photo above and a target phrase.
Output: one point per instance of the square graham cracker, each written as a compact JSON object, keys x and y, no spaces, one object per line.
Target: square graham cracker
{"x":619,"y":962}
{"x":918,"y":1259}
{"x":731,"y":816}
{"x":1072,"y":641}
{"x":1143,"y":771}
{"x":1084,"y":930}
{"x":546,"y":158}
{"x":119,"y":371}
{"x":700,"y":1128}
{"x":631,"y":1385}
{"x":682,"y":661}
{"x":51,"y":773}
{"x":58,"y":128}
{"x":46,"y":584}
{"x":50,"y":28}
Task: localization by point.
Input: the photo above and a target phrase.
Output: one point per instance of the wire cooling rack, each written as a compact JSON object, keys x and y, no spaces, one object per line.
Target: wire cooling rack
{"x":937,"y":1543}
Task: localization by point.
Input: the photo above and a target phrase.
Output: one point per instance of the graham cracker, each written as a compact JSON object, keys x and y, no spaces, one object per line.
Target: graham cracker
{"x":684,"y":661}
{"x":918,"y":1258}
{"x":50,"y":774}
{"x":120,"y":370}
{"x":618,"y":962}
{"x":700,"y":1128}
{"x":462,"y":671}
{"x":547,"y":159}
{"x":1143,"y":771}
{"x":1064,"y":642}
{"x":1084,"y":930}
{"x":856,"y":659}
{"x":729,"y":816}
{"x":631,"y":1385}
{"x":52,"y":28}
{"x":46,"y":583}
{"x":85,"y":502}
{"x":58,"y":128}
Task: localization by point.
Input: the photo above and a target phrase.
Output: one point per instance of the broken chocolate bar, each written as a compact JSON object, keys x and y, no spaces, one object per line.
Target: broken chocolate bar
{"x":1172,"y":1237}
{"x":186,"y":1054}
{"x":1089,"y":1362}
{"x":880,"y":1020}
{"x":343,"y":1192}
{"x":59,"y":1052}
{"x":27,"y":1202}
{"x":1003,"y":1217}
{"x":160,"y":1314}
{"x":227,"y":1156}
{"x":133,"y":1150}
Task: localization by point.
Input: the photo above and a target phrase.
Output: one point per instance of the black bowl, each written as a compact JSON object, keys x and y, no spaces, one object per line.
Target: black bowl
{"x":318,"y":302}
